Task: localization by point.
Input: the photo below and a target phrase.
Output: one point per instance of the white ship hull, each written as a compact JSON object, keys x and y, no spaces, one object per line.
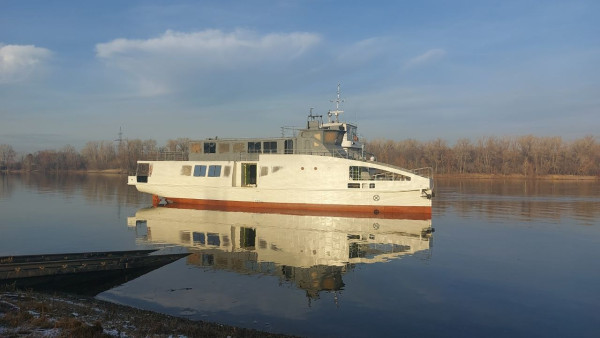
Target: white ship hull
{"x":295,"y":184}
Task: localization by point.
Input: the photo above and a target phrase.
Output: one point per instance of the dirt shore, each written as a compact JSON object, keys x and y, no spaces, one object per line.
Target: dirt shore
{"x":33,"y":314}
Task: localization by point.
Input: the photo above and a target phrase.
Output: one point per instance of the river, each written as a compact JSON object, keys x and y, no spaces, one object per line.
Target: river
{"x":507,"y":258}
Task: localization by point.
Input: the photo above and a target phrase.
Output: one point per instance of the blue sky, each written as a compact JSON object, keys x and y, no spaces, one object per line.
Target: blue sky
{"x":77,"y":71}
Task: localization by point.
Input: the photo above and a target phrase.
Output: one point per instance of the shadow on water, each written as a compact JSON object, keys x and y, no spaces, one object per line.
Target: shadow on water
{"x":86,"y":273}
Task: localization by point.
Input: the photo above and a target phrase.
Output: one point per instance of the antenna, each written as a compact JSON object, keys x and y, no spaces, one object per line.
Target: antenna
{"x":337,"y":110}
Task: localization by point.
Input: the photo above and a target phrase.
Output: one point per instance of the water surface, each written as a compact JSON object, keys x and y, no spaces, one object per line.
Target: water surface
{"x":507,"y":258}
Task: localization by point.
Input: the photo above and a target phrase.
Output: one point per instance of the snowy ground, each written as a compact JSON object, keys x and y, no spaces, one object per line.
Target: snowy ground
{"x":62,"y":315}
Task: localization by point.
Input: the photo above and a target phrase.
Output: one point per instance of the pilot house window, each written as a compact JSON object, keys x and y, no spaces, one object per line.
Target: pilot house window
{"x":254,"y":147}
{"x":270,"y":147}
{"x":210,"y":147}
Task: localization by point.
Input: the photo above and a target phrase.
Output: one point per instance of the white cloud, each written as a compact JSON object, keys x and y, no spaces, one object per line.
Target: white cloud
{"x":364,"y":50}
{"x":19,"y":62}
{"x":158,"y":64}
{"x":429,"y":56}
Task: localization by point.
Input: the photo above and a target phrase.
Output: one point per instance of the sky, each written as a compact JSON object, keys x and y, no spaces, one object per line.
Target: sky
{"x":79,"y":71}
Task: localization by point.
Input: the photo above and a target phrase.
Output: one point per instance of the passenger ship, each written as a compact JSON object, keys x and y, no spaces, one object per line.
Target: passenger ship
{"x":320,"y":169}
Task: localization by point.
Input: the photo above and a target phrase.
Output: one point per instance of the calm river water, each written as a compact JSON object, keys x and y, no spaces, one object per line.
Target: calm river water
{"x":507,"y":258}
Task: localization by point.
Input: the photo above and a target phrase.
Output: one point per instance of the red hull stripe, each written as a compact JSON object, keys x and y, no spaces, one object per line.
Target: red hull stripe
{"x":337,"y":210}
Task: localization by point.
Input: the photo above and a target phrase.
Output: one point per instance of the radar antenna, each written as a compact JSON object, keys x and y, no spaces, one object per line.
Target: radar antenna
{"x":337,"y":110}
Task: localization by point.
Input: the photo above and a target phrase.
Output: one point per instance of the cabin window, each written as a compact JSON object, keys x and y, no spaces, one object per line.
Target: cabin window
{"x":195,"y":147}
{"x":213,"y":239}
{"x":186,"y":170}
{"x":354,"y":185}
{"x":270,"y":147}
{"x":254,"y":147}
{"x":249,"y":174}
{"x":359,"y":173}
{"x":289,"y":146}
{"x":198,"y":238}
{"x":275,"y":169}
{"x":223,"y":148}
{"x":214,"y":171}
{"x":227,"y":171}
{"x":238,"y":148}
{"x":210,"y":147}
{"x":225,"y":240}
{"x":374,"y":174}
{"x":200,"y":170}
{"x":144,"y":170}
{"x":264,"y":171}
{"x":208,"y":260}
{"x":247,"y":238}
{"x":356,"y":250}
{"x":184,"y":237}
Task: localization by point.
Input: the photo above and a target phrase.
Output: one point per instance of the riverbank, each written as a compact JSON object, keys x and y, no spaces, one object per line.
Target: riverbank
{"x":519,"y":177}
{"x":65,"y":315}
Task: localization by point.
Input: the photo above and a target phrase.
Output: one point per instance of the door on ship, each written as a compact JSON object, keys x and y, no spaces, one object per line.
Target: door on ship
{"x":248,"y":174}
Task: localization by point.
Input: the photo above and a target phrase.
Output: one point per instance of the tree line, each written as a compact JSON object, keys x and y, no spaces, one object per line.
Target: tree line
{"x":95,"y":155}
{"x":526,"y":155}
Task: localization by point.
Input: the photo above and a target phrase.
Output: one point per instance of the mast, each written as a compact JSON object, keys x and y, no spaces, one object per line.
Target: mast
{"x":337,"y":110}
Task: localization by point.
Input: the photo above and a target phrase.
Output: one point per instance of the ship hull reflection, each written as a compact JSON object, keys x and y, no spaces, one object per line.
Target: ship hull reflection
{"x":312,"y":251}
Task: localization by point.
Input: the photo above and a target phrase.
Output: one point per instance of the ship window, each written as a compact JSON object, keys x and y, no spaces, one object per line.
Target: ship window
{"x":353,"y":185}
{"x":371,"y":185}
{"x":262,"y":243}
{"x":213,"y":239}
{"x":276,"y":169}
{"x":223,"y":147}
{"x":227,"y":171}
{"x":198,"y":238}
{"x":270,"y":147}
{"x":359,"y":173}
{"x":195,"y":147}
{"x":184,"y":237}
{"x":374,"y":174}
{"x":186,"y":170}
{"x":247,"y":238}
{"x":254,"y":147}
{"x":289,"y":146}
{"x":208,"y":260}
{"x":200,"y":170}
{"x":264,"y":171}
{"x":210,"y":147}
{"x":143,"y":169}
{"x":238,"y":148}
{"x":214,"y":171}
{"x":248,"y":174}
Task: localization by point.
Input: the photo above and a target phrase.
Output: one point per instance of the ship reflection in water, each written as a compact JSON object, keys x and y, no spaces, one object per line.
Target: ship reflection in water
{"x":312,"y":252}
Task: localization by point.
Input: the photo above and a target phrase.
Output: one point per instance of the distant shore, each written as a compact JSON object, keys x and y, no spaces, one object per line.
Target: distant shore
{"x":519,"y":177}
